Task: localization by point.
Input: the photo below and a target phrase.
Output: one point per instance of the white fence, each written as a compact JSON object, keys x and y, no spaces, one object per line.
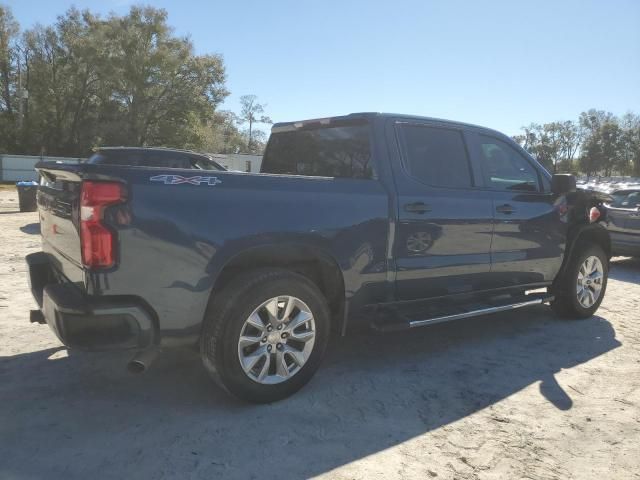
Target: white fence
{"x":16,"y":168}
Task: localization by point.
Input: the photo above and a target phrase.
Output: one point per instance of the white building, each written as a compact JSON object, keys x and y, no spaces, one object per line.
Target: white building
{"x":240,"y":162}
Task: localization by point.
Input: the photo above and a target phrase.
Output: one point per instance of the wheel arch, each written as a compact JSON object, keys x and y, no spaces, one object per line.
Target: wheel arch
{"x":584,"y":234}
{"x":592,"y":233}
{"x":307,"y":260}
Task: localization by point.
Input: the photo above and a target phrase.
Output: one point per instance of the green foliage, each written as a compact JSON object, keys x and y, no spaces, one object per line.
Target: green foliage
{"x":9,"y":30}
{"x":611,"y":143}
{"x":598,"y":143}
{"x":119,"y":80}
{"x":252,"y":112}
{"x":552,"y":144}
{"x":630,"y":143}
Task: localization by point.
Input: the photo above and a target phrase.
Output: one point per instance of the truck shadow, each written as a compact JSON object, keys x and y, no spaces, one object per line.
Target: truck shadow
{"x":82,"y":412}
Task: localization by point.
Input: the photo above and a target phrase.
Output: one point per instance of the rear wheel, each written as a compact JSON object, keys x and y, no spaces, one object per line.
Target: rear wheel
{"x":264,"y":335}
{"x":583,"y":284}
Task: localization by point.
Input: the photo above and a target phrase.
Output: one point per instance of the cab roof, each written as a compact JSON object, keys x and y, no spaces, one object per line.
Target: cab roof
{"x":288,"y":126}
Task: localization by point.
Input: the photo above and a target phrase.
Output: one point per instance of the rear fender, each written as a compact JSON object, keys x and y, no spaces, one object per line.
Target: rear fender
{"x":308,"y":260}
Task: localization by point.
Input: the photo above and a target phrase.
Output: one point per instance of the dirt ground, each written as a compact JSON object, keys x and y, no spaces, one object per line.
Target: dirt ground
{"x":509,"y":396}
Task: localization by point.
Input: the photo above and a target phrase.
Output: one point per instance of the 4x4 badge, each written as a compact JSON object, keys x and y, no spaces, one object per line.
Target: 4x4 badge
{"x":179,"y":179}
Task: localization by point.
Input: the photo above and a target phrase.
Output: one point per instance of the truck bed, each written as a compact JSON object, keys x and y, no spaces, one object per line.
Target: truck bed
{"x":176,"y":231}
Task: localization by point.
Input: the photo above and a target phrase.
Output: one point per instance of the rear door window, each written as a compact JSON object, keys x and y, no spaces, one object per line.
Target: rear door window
{"x":435,"y":156}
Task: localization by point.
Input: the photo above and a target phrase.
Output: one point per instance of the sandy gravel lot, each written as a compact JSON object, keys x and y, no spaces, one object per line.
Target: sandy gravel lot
{"x":510,"y":396}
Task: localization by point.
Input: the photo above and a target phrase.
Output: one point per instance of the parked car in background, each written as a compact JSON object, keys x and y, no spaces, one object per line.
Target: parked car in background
{"x":608,"y":184}
{"x":623,"y":220}
{"x":153,"y":157}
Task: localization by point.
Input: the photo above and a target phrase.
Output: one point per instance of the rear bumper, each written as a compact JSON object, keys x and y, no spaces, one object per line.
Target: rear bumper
{"x":89,"y":323}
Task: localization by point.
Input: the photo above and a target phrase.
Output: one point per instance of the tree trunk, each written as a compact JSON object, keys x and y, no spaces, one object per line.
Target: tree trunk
{"x":7,"y":92}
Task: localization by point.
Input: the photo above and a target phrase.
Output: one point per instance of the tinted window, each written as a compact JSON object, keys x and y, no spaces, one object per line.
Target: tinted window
{"x":335,"y":151}
{"x":435,"y":156}
{"x":504,"y":168}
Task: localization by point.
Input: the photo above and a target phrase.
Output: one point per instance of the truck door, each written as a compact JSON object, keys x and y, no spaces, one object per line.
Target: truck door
{"x":443,"y":235}
{"x":529,"y":230}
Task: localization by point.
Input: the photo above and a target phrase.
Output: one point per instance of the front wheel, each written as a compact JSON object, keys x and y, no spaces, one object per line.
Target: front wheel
{"x":264,"y":335}
{"x":583,"y":284}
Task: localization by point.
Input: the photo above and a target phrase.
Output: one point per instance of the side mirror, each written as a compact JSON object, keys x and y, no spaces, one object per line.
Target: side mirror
{"x":562,"y":183}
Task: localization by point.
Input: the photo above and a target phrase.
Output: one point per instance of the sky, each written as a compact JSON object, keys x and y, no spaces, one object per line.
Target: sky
{"x":500,"y":64}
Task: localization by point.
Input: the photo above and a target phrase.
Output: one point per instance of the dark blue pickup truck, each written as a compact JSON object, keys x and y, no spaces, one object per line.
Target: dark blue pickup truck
{"x":387,"y":221}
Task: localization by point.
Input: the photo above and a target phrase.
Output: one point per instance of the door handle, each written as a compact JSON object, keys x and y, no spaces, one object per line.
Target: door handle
{"x":506,"y":209}
{"x":417,"y":207}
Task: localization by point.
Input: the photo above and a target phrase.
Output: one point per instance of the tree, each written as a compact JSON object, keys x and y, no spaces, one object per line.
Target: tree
{"x":125,"y":80}
{"x":593,"y":119}
{"x":9,"y":30}
{"x":554,"y":144}
{"x":252,"y":112}
{"x":602,"y":150}
{"x":591,"y":158}
{"x":157,"y":84}
{"x":221,"y":134}
{"x":630,"y":142}
{"x":570,"y":139}
{"x":63,"y":80}
{"x":542,"y":141}
{"x":610,"y":136}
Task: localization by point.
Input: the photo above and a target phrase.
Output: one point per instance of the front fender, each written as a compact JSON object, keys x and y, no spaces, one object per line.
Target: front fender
{"x":579,"y":235}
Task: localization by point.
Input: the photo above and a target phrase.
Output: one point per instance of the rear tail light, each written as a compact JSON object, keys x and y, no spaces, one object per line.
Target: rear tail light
{"x":594,"y":214}
{"x":98,"y":242}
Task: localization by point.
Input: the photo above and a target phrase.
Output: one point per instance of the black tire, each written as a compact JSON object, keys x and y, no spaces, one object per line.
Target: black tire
{"x":566,"y":303}
{"x":224,"y":321}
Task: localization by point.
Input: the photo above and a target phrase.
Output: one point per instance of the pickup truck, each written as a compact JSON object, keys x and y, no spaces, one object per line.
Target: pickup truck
{"x":378,"y":220}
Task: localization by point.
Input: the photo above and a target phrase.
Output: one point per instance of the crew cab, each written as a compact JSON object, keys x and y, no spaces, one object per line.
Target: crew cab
{"x":378,"y":220}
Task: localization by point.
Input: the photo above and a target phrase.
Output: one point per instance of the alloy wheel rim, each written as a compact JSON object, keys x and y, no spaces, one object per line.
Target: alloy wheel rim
{"x":590,"y":280}
{"x":276,"y":340}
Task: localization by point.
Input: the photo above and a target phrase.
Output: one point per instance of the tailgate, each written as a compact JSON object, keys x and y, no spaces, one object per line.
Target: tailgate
{"x":58,"y":206}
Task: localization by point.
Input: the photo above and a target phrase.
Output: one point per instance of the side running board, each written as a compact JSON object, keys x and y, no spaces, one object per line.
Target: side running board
{"x":390,"y":318}
{"x":474,"y":313}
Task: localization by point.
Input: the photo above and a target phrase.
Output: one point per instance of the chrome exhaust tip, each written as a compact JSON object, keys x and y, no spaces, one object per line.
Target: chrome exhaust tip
{"x":141,"y":360}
